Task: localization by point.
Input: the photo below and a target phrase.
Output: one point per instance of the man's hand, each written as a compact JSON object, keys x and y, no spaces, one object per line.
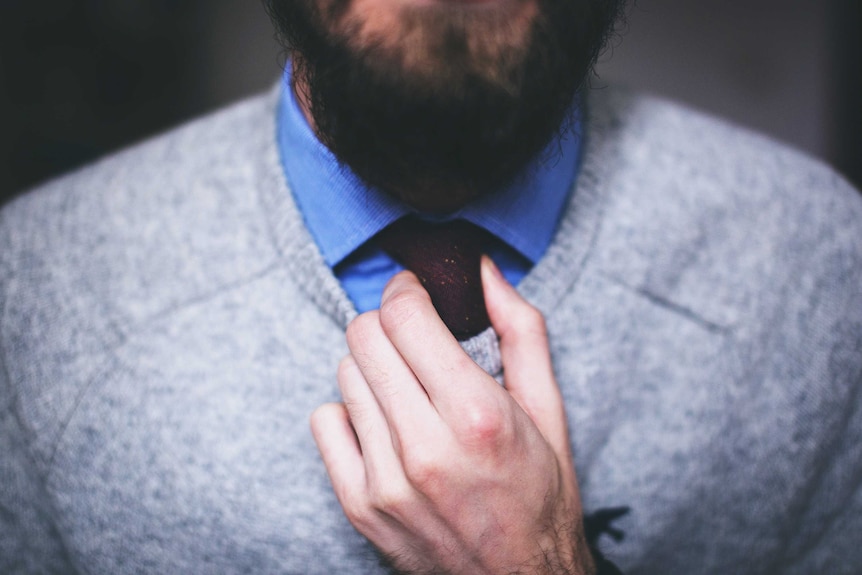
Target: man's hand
{"x":440,"y":467}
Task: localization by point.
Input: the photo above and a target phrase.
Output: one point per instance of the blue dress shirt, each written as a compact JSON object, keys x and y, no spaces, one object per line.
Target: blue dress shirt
{"x":343,"y":213}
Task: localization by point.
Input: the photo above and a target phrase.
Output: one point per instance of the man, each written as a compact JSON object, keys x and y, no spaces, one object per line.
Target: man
{"x":173,"y":315}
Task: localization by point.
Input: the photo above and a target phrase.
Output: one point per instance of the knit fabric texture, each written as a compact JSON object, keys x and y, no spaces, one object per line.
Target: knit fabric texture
{"x":167,"y":325}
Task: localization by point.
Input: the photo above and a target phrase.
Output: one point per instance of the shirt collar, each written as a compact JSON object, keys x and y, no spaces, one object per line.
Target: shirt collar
{"x":342,"y":212}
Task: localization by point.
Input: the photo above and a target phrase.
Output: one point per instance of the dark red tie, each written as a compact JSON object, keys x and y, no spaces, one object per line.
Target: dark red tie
{"x":445,"y":257}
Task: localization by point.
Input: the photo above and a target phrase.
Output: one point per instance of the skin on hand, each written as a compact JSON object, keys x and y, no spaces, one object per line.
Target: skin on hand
{"x":441,"y":468}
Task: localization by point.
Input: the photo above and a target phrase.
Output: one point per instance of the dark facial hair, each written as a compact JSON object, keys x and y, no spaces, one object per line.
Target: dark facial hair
{"x":444,"y":136}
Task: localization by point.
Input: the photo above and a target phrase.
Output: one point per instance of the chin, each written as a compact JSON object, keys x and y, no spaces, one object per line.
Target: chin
{"x":419,"y":96}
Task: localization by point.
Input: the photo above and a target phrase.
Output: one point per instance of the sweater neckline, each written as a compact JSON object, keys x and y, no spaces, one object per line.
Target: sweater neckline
{"x":553,"y":276}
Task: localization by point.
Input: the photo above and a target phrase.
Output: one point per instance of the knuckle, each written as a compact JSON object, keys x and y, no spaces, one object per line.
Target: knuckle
{"x":531,"y":320}
{"x":347,"y":368}
{"x":528,"y":325}
{"x":362,"y":328}
{"x":358,"y":513}
{"x":393,"y":498}
{"x":401,"y":308}
{"x":322,"y":416}
{"x":423,"y":469}
{"x":483,"y":425}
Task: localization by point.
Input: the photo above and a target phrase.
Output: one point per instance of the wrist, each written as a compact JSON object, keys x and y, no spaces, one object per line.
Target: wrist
{"x":566,"y":553}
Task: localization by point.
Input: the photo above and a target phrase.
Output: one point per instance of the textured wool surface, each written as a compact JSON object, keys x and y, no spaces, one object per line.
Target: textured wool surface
{"x":168,"y":325}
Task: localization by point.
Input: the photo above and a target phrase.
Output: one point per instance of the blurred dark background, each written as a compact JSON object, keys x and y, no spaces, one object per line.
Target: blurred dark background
{"x":79,"y":78}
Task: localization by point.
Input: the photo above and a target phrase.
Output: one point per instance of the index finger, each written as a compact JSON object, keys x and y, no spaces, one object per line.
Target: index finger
{"x":411,"y":323}
{"x":404,"y":403}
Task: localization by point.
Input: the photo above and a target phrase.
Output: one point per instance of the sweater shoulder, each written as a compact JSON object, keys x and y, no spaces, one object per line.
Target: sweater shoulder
{"x":161,"y":170}
{"x":91,"y":258}
{"x":152,"y":223}
{"x":684,"y":155}
{"x":721,"y":220}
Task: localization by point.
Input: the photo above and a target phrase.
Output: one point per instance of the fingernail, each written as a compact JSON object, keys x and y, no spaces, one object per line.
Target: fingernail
{"x":492,"y":267}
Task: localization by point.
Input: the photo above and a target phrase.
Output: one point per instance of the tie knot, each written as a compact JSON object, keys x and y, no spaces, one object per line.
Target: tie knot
{"x":446,"y":259}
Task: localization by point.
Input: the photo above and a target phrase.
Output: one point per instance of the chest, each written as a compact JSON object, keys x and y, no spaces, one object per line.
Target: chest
{"x":190,"y":449}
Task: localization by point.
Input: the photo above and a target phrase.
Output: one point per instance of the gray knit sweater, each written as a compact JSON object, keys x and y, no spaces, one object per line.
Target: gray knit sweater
{"x":168,"y":325}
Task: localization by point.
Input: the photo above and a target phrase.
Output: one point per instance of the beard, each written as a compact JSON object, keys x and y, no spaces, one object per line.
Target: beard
{"x":439,"y":104}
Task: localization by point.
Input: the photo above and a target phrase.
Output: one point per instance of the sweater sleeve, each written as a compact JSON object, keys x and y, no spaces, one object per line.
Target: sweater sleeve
{"x":827,"y":533}
{"x":29,"y":540}
{"x":828,"y":522}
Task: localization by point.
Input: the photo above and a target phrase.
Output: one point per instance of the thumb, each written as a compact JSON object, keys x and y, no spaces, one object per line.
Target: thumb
{"x":528,"y":373}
